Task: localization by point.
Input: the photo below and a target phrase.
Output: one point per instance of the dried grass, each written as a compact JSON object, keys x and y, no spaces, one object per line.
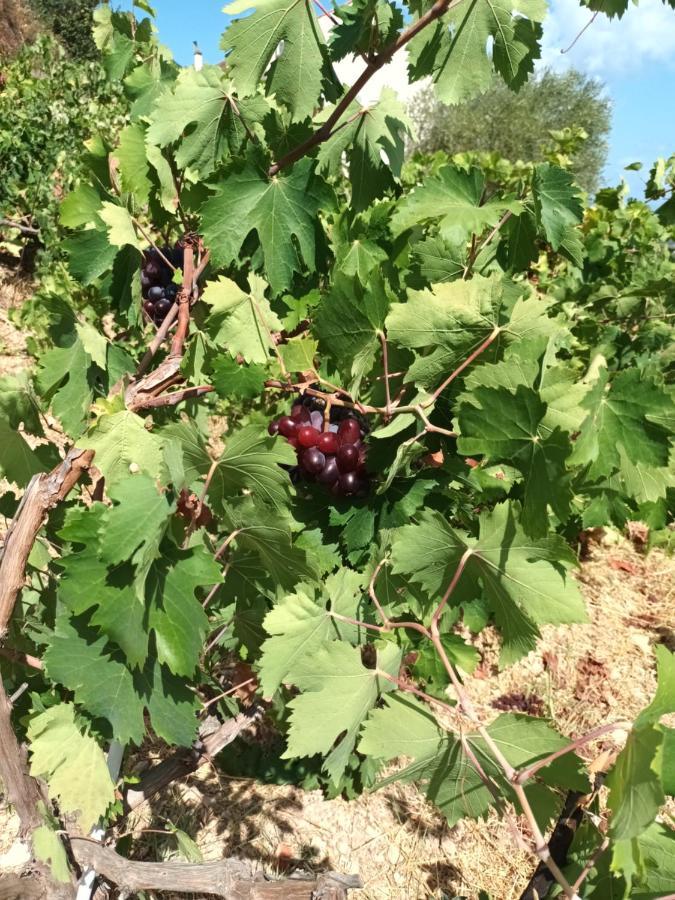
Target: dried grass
{"x":402,"y":848}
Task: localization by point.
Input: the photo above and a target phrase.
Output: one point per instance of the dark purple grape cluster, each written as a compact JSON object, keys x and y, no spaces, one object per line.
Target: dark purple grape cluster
{"x":159,"y":291}
{"x":331,"y":453}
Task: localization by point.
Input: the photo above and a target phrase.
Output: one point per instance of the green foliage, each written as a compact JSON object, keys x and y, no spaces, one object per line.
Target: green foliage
{"x":71,"y":24}
{"x":526,"y":341}
{"x":49,"y":105}
{"x":518,"y":125}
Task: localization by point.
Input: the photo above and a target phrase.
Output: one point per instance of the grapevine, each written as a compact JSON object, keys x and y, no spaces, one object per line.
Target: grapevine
{"x":323,"y":417}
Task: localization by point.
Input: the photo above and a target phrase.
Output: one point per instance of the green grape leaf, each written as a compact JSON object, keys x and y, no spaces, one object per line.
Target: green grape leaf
{"x":348,"y":323}
{"x":65,"y":377}
{"x":629,"y":420}
{"x":99,"y":681}
{"x":301,"y":623}
{"x":635,"y":789}
{"x":525,"y":581}
{"x":121,"y":441}
{"x":178,"y":619}
{"x":121,"y":229}
{"x":265,"y":533}
{"x":133,"y":163}
{"x":80,"y":207}
{"x":453,"y":198}
{"x":456,"y":51}
{"x":505,"y":427}
{"x":48,"y":847}
{"x":438,"y":260}
{"x":664,"y":699}
{"x":90,"y":254}
{"x":448,"y":323}
{"x":359,"y":258}
{"x":72,"y":763}
{"x":18,"y":461}
{"x":243,"y":322}
{"x":138,"y":517}
{"x":233,"y":380}
{"x":204,"y":114}
{"x":277,"y":209}
{"x":371,"y":131}
{"x":338,"y":692}
{"x":556,"y":201}
{"x":252,"y":461}
{"x":298,"y":354}
{"x":297,"y":74}
{"x":403,"y":726}
{"x":365,"y":26}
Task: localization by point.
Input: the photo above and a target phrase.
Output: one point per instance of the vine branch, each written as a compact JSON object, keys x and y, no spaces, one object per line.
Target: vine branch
{"x":439,"y":8}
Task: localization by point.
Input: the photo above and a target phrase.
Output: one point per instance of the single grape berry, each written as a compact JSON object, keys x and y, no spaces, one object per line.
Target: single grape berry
{"x":273,"y":427}
{"x":149,"y":307}
{"x":327,"y":442}
{"x":349,"y":431}
{"x":300,"y":413}
{"x":156,"y":293}
{"x":307,"y":436}
{"x":287,"y":427}
{"x":153,"y":271}
{"x":313,"y":460}
{"x":329,"y":473}
{"x":162,"y":307}
{"x":347,"y":458}
{"x":317,"y":419}
{"x":171,"y":290}
{"x":349,"y":483}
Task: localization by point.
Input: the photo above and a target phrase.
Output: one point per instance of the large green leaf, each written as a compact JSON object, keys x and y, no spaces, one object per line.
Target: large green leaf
{"x":241,"y":321}
{"x":338,"y":692}
{"x":297,"y":73}
{"x":371,"y":131}
{"x":505,"y":426}
{"x":455,"y":199}
{"x":471,"y":40}
{"x":526,"y":582}
{"x":204,"y":114}
{"x":72,"y":763}
{"x":281,"y":210}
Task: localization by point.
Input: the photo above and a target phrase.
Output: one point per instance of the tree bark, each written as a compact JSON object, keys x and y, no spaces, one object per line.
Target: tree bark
{"x":229,"y":878}
{"x":43,"y":492}
{"x":22,"y":790}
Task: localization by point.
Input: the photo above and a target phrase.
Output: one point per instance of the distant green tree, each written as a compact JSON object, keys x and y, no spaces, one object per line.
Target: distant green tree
{"x":517,"y":126}
{"x":71,"y":22}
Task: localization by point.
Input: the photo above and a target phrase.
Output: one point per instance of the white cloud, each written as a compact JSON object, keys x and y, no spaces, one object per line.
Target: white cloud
{"x":610,"y":47}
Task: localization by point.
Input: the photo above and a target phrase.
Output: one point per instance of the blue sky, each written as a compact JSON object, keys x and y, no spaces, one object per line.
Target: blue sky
{"x":634,"y":57}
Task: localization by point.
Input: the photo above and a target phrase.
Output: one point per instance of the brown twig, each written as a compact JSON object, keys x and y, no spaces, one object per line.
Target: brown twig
{"x":43,"y":493}
{"x":525,"y":774}
{"x":24,"y":229}
{"x":385,"y":364}
{"x":183,"y":301}
{"x":25,"y":659}
{"x":175,"y":397}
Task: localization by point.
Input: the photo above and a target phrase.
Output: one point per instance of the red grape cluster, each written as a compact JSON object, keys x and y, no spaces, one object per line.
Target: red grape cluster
{"x":331,"y":453}
{"x":159,"y":291}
